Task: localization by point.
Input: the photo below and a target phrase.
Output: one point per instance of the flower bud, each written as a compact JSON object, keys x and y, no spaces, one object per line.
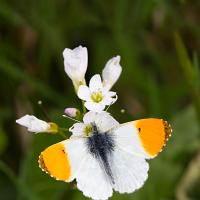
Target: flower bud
{"x":33,"y":124}
{"x":111,"y":72}
{"x":75,"y":62}
{"x":72,"y":112}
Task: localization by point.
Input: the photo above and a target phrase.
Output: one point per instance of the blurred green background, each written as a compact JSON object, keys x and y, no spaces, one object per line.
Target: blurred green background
{"x":159,"y":44}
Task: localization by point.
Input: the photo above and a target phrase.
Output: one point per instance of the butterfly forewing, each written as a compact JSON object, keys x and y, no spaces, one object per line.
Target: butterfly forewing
{"x":71,"y":159}
{"x":63,"y":160}
{"x":145,"y":137}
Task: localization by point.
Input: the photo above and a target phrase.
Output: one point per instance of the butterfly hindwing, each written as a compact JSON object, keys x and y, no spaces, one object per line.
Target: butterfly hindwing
{"x":92,"y":179}
{"x":129,"y":171}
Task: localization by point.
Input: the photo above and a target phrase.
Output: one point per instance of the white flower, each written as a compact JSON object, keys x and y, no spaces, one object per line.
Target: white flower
{"x":96,"y":96}
{"x":76,"y":62}
{"x":103,"y":121}
{"x":111,"y":72}
{"x":36,"y":125}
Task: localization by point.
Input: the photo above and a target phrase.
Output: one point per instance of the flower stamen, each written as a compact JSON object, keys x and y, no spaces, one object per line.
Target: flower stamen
{"x":97,"y":97}
{"x":88,"y":130}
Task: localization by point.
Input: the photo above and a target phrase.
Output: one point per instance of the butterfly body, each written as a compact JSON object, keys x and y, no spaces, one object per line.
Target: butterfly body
{"x":109,"y":160}
{"x":101,"y":146}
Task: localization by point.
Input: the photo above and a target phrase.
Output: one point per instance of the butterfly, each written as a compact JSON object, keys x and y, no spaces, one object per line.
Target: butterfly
{"x":109,"y":160}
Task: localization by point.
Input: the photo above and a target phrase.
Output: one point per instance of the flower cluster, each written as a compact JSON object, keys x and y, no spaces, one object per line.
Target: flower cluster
{"x":96,"y":96}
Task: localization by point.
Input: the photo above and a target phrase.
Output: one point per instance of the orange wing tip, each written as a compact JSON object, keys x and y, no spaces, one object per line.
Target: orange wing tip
{"x":42,"y":164}
{"x":168,"y":130}
{"x":153,"y":134}
{"x":54,"y":161}
{"x":43,"y":167}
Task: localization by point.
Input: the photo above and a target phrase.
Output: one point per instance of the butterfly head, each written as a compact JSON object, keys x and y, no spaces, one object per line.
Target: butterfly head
{"x":91,"y":129}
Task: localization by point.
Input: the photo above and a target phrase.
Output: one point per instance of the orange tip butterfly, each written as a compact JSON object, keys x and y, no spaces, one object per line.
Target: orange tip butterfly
{"x":107,"y":161}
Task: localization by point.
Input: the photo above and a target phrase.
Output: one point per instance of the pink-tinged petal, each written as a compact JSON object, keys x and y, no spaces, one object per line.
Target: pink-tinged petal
{"x":77,"y":129}
{"x":71,"y":112}
{"x":96,"y":107}
{"x":95,"y":83}
{"x":84,"y":93}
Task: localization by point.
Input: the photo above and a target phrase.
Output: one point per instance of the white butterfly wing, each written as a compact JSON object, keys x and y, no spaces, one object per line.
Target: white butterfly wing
{"x":127,"y":139}
{"x":135,"y":142}
{"x":69,"y":160}
{"x":144,"y":138}
{"x":92,"y":181}
{"x":129,"y":171}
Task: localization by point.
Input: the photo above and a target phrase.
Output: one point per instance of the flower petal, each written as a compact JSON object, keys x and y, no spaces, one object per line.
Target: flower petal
{"x":95,"y":83}
{"x":105,"y":121}
{"x":84,"y":93}
{"x":75,"y":62}
{"x":96,"y":107}
{"x":25,"y":120}
{"x":33,"y":124}
{"x":77,"y":129}
{"x":89,"y":117}
{"x":109,"y":98}
{"x":111,"y":93}
{"x":111,"y":72}
{"x":38,"y":126}
{"x":82,"y":53}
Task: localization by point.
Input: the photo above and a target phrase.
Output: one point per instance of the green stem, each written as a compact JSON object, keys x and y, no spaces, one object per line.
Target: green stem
{"x":84,"y":109}
{"x":61,"y":133}
{"x":76,"y":86}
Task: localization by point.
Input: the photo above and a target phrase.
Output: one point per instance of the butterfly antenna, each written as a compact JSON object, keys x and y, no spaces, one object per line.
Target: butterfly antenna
{"x":71,"y":118}
{"x":116,"y":97}
{"x":44,"y":110}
